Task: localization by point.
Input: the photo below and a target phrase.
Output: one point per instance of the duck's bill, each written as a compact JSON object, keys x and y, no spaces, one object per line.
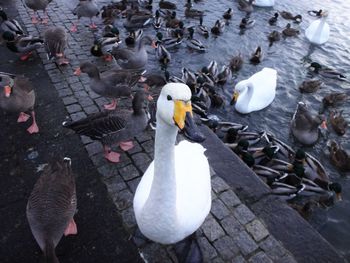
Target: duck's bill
{"x":234,"y":98}
{"x":191,"y":130}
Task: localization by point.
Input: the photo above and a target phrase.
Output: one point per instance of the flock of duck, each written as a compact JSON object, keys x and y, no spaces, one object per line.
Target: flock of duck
{"x":164,"y":190}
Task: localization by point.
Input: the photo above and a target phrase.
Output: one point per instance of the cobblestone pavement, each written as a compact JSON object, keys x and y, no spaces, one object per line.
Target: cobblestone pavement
{"x":231,"y":233}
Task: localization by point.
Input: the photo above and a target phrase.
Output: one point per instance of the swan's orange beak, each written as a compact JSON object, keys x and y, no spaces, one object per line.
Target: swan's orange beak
{"x":7,"y":90}
{"x":234,"y":97}
{"x":77,"y":72}
{"x":181,"y":108}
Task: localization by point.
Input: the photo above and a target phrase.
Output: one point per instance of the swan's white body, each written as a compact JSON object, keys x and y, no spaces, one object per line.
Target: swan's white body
{"x":318,"y":31}
{"x":173,"y":197}
{"x":264,"y":3}
{"x":257,"y":92}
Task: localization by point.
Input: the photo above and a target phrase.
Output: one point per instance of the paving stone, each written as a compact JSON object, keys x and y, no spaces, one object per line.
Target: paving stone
{"x":226,"y":248}
{"x":91,"y":109}
{"x":213,"y":195}
{"x":231,"y":226}
{"x":61,"y":85}
{"x":238,"y":259}
{"x":98,"y":160}
{"x":286,"y":259}
{"x":73,"y":108}
{"x":136,"y":149}
{"x":133,"y":184}
{"x":94,"y":148}
{"x":129,"y":172}
{"x":154,"y":253}
{"x":243,"y":214}
{"x":123,"y":199}
{"x":260,"y":257}
{"x":129,"y":217}
{"x":50,"y":66}
{"x":219,"y":185}
{"x":76,"y":86}
{"x":85,"y":139}
{"x":69,"y":100}
{"x":207,"y":249}
{"x":86,"y":102}
{"x":229,"y":198}
{"x":115,"y":184}
{"x":101,"y":101}
{"x":245,"y":243}
{"x":106,"y":171}
{"x":143,"y":167}
{"x":218,"y":209}
{"x":64,"y":92}
{"x":77,"y":116}
{"x":273,"y":248}
{"x":212,"y":229}
{"x":143,"y":137}
{"x":92,"y":94}
{"x":140,"y":158}
{"x":80,"y":94}
{"x":217,"y":260}
{"x":257,"y":230}
{"x":148,"y":146}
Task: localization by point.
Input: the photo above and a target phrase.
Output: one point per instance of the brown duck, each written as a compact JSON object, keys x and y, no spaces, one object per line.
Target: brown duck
{"x":339,"y":157}
{"x":51,"y":207}
{"x":309,"y":86}
{"x":17,"y":95}
{"x":338,"y":122}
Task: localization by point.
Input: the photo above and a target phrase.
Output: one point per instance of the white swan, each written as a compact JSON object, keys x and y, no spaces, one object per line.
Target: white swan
{"x":257,"y":92}
{"x":264,"y":3}
{"x":318,"y":32}
{"x":174,"y":195}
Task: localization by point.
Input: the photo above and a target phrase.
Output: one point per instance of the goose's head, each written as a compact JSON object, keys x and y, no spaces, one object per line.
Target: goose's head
{"x":175,"y":109}
{"x":7,"y":83}
{"x":239,"y":88}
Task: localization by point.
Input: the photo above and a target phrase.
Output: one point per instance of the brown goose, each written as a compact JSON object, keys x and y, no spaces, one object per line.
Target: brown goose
{"x":17,"y":95}
{"x":36,"y":5}
{"x":113,"y":83}
{"x":338,"y":122}
{"x":113,"y":127}
{"x":51,"y":207}
{"x":55,"y":41}
{"x":309,"y":86}
{"x":339,"y":157}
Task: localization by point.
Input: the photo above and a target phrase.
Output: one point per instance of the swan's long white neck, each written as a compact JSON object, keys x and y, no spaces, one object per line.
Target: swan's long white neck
{"x":162,"y":196}
{"x":319,"y":29}
{"x":247,"y":93}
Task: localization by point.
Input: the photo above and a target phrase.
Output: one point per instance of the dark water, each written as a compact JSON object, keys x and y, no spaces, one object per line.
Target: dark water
{"x":287,"y":57}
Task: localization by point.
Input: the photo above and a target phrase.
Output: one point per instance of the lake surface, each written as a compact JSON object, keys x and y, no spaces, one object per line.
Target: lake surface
{"x":288,"y":57}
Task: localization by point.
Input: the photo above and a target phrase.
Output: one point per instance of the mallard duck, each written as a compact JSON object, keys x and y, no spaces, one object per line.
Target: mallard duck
{"x":264,"y":3}
{"x":168,"y":42}
{"x":224,"y":75}
{"x":176,"y":217}
{"x":194,"y":43}
{"x":113,"y":83}
{"x":137,"y":21}
{"x":306,"y":209}
{"x":218,"y":27}
{"x":274,"y":36}
{"x":178,"y":32}
{"x":236,"y":62}
{"x":332,"y":99}
{"x":318,"y":31}
{"x":133,"y":59}
{"x":234,"y":135}
{"x":10,"y":25}
{"x":103,"y":47}
{"x":166,"y":5}
{"x":273,"y":20}
{"x":304,"y":126}
{"x":55,"y":42}
{"x":289,"y":31}
{"x":201,"y":29}
{"x":114,"y":127}
{"x":338,"y":122}
{"x":51,"y":207}
{"x":163,"y":55}
{"x":228,"y":14}
{"x":212,"y":69}
{"x":36,"y":5}
{"x":147,"y":4}
{"x":190,"y":12}
{"x":255,"y":93}
{"x":189,"y":78}
{"x":309,"y":86}
{"x":289,"y":16}
{"x":315,"y":13}
{"x":246,"y":23}
{"x":23,"y":45}
{"x":246,"y":6}
{"x":157,"y":20}
{"x":339,"y":157}
{"x":256,"y":56}
{"x":85,"y":8}
{"x":172,"y":21}
{"x":326,"y":72}
{"x":133,"y":37}
{"x":18,"y":95}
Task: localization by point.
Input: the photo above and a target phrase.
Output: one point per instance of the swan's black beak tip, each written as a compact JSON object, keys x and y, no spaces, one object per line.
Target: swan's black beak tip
{"x":191,"y":130}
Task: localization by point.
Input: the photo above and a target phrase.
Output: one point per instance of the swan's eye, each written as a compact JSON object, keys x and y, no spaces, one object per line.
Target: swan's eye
{"x":169,"y":97}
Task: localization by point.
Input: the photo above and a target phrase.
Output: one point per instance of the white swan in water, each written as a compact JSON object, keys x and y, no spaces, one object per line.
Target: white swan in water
{"x":318,"y":32}
{"x":257,"y":92}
